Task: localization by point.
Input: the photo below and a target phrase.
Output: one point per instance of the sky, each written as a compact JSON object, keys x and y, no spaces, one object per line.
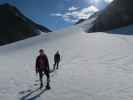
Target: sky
{"x":58,"y":14}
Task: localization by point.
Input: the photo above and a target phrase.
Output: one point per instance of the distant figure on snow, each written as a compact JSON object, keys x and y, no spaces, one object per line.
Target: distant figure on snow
{"x":42,"y":67}
{"x":56,"y":60}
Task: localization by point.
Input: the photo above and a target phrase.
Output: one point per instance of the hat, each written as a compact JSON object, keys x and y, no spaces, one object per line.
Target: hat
{"x":41,"y":50}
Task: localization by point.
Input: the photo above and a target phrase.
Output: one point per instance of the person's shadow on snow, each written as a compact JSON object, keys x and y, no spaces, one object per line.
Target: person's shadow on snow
{"x":28,"y":96}
{"x":28,"y":93}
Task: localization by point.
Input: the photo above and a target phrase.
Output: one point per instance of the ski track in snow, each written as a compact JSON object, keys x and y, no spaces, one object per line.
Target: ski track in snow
{"x":94,"y":66}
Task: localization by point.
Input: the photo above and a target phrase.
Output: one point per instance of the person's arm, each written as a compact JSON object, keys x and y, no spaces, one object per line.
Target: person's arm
{"x":47,"y":63}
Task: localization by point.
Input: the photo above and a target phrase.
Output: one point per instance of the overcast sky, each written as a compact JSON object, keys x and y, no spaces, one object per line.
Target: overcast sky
{"x":57,"y":14}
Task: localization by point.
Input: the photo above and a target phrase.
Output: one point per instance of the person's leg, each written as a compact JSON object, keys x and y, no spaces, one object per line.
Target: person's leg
{"x":41,"y":79}
{"x":57,"y":65}
{"x":48,"y":79}
{"x":54,"y":65}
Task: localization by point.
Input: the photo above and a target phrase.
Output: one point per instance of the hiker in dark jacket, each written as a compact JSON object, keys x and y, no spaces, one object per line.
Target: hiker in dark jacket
{"x":56,"y":60}
{"x":42,"y":67}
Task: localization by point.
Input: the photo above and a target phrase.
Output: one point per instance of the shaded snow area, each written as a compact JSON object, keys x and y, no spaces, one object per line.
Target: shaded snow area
{"x":88,"y":24}
{"x":94,"y":66}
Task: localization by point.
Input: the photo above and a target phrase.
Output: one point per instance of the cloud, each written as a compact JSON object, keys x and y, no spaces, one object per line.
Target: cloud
{"x":108,"y":1}
{"x":73,"y":14}
{"x":72,"y":8}
{"x":96,"y":1}
{"x":56,"y":14}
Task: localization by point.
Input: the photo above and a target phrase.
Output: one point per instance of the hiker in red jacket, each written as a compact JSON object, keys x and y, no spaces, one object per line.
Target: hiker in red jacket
{"x":42,"y":67}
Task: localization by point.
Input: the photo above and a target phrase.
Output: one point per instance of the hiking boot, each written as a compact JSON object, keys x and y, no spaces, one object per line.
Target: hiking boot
{"x":41,"y":85}
{"x":48,"y":86}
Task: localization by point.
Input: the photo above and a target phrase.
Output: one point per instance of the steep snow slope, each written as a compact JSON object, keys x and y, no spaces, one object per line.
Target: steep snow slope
{"x":88,"y":24}
{"x":95,"y":66}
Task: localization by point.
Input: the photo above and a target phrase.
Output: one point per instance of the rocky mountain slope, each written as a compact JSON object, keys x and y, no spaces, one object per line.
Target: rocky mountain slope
{"x":15,"y":26}
{"x":117,"y":14}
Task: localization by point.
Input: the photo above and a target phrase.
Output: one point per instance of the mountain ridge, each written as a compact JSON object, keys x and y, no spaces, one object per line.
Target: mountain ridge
{"x":117,"y":14}
{"x":16,"y":26}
